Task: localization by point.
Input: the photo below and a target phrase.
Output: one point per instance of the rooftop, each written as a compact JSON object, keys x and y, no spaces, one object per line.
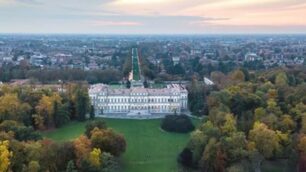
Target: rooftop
{"x":171,"y":89}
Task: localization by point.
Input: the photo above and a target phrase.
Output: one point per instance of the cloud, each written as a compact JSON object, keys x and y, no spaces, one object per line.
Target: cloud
{"x":139,"y":1}
{"x":115,"y":23}
{"x":29,"y":2}
{"x":156,"y":16}
{"x":207,"y":21}
{"x":16,"y":3}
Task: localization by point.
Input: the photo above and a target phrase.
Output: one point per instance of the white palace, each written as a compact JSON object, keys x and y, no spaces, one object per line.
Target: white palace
{"x":138,"y":100}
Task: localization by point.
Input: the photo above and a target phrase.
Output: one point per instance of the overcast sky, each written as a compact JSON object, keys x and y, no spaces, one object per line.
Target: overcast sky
{"x":153,"y":16}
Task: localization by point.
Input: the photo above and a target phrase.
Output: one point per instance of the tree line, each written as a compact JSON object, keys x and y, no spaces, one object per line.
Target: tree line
{"x":251,"y":118}
{"x":97,"y":150}
{"x":26,"y":110}
{"x":8,"y":72}
{"x":44,"y":108}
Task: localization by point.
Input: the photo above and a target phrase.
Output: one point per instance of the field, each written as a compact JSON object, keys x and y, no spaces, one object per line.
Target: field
{"x":149,"y":148}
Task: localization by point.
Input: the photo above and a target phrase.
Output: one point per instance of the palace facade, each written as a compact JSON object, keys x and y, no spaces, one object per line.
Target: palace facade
{"x":138,"y":100}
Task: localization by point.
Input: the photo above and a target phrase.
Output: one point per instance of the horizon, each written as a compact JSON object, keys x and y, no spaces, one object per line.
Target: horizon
{"x":152,"y":34}
{"x":153,"y":17}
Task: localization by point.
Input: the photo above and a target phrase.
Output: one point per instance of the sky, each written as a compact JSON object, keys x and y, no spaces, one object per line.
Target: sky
{"x":153,"y":16}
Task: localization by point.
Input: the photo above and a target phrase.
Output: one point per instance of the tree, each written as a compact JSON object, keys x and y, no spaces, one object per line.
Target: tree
{"x":94,"y":157}
{"x":5,"y":155}
{"x":146,"y":84}
{"x":33,"y":166}
{"x":39,"y":121}
{"x":281,"y":79}
{"x":272,"y":94}
{"x":71,"y":167}
{"x":128,"y":84}
{"x":196,"y":97}
{"x":82,"y":146}
{"x":177,"y":123}
{"x":45,"y":110}
{"x":303,"y":129}
{"x":109,"y":163}
{"x":196,"y":144}
{"x":11,"y":108}
{"x":66,"y":152}
{"x":270,"y":117}
{"x":60,"y":114}
{"x":185,"y":157}
{"x":82,"y":104}
{"x":49,"y":155}
{"x":234,"y":146}
{"x":33,"y":151}
{"x":108,"y":141}
{"x":219,"y":78}
{"x":100,"y":124}
{"x":213,"y":158}
{"x":127,"y":66}
{"x":178,"y":70}
{"x":229,"y":125}
{"x":266,"y":140}
{"x":286,"y":124}
{"x":272,"y":108}
{"x":92,"y":112}
{"x":21,"y":132}
{"x":237,"y":76}
{"x":17,"y":161}
{"x":260,"y":113}
{"x":302,"y":144}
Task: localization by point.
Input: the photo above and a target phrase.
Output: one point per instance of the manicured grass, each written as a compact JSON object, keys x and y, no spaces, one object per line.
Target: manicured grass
{"x":135,"y":62}
{"x":68,"y":132}
{"x":149,"y":148}
{"x":116,"y":86}
{"x":158,"y":85}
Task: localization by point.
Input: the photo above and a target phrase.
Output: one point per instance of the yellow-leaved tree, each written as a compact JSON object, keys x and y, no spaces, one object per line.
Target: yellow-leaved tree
{"x":45,"y":110}
{"x":12,"y":108}
{"x":5,"y":156}
{"x":266,"y":140}
{"x":302,"y":144}
{"x":94,"y":157}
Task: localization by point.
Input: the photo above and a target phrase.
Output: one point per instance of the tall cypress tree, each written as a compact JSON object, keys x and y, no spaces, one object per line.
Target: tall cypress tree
{"x":92,"y":112}
{"x":82,"y":104}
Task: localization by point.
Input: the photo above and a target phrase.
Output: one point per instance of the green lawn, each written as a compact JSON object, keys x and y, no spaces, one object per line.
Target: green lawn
{"x":148,"y":148}
{"x":158,"y":85}
{"x":116,"y":86}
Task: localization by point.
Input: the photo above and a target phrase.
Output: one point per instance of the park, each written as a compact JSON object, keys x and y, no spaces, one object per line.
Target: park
{"x":148,"y":146}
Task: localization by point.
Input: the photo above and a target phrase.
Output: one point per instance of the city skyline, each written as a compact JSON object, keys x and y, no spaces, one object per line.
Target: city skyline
{"x":153,"y":16}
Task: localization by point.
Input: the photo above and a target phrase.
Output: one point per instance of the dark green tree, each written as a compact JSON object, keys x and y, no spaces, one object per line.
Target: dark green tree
{"x":61,"y":114}
{"x":128,"y":84}
{"x":92,"y":112}
{"x":82,"y":104}
{"x":146,"y":84}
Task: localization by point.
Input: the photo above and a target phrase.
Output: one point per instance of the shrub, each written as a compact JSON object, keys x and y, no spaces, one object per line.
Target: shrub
{"x":100,"y":124}
{"x":108,"y":141}
{"x":177,"y":123}
{"x":185,"y":157}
